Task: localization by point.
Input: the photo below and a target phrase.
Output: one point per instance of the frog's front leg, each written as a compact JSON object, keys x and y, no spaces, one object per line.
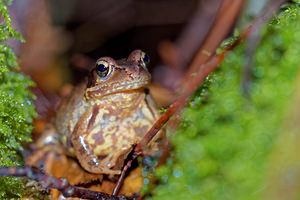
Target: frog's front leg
{"x":84,"y":147}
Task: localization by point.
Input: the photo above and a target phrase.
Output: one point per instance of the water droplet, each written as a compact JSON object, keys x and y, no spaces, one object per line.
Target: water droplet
{"x":177,"y":173}
{"x":146,"y":181}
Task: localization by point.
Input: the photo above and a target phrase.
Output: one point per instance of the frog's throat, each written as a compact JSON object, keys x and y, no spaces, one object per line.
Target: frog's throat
{"x":119,"y":88}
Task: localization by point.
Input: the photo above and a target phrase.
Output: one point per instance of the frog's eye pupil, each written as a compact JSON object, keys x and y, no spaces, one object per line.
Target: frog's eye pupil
{"x":102,"y":70}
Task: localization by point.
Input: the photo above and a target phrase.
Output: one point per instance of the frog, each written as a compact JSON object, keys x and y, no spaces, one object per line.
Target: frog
{"x":104,"y":117}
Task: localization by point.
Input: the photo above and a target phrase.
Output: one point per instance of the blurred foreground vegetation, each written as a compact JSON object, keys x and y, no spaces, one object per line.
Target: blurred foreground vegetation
{"x":223,"y":146}
{"x":16,"y":108}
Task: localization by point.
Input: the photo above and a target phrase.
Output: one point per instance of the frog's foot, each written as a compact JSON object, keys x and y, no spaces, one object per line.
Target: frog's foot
{"x":46,"y":144}
{"x":109,"y":164}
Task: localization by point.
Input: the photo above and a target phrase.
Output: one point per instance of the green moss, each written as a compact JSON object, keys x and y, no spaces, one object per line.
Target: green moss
{"x":16,"y":108}
{"x":221,"y":148}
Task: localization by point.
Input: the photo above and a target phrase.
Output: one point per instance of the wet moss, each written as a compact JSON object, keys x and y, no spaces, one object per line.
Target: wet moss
{"x":16,"y":108}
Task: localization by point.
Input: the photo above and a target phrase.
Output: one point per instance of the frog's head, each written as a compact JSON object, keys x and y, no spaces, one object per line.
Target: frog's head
{"x":115,"y":76}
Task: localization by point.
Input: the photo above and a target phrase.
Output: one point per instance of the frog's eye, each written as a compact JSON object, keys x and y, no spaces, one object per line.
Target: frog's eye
{"x":145,"y":59}
{"x":102,"y":68}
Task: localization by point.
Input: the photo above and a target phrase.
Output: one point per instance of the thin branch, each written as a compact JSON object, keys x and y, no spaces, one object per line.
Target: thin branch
{"x":60,"y":184}
{"x":224,"y":22}
{"x":122,"y":177}
{"x":132,"y":156}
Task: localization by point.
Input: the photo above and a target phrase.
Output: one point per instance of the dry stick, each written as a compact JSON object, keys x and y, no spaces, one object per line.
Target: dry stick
{"x":124,"y":170}
{"x":60,"y":184}
{"x":227,"y":15}
{"x":122,"y":176}
{"x":203,"y":71}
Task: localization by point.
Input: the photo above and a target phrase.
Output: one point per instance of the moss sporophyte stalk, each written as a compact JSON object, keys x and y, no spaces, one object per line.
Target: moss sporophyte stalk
{"x":222,"y":147}
{"x":16,"y":108}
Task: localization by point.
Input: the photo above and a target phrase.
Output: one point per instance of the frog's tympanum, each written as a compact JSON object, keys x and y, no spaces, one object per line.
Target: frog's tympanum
{"x":101,"y":121}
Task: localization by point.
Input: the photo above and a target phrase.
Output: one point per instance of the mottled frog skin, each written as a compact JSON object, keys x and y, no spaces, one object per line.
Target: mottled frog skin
{"x":101,"y":121}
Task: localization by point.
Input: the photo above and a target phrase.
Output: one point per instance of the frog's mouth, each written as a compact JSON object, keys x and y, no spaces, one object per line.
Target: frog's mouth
{"x":105,"y":90}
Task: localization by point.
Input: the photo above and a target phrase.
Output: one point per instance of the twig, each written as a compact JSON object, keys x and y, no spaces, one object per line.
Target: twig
{"x":134,"y":154}
{"x":122,"y":177}
{"x":60,"y":184}
{"x":227,"y":15}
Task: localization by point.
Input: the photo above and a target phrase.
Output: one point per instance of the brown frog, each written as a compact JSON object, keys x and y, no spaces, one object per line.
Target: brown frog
{"x":101,"y":121}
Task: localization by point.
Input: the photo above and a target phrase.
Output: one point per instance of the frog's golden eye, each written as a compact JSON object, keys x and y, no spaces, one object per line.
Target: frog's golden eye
{"x":103,"y":69}
{"x":145,"y":59}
